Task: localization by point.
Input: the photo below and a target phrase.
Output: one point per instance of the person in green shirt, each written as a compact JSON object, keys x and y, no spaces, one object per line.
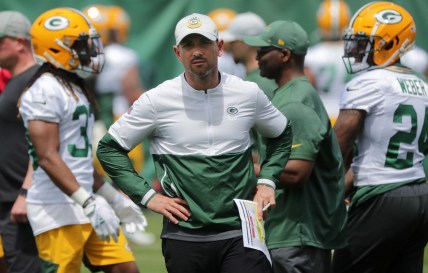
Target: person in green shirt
{"x":310,"y":213}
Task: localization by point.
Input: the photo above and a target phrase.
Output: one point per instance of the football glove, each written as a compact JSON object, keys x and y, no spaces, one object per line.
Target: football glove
{"x":131,"y":216}
{"x":102,"y":217}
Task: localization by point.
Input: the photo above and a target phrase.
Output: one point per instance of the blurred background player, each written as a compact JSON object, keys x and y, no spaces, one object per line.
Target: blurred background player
{"x":222,"y":18}
{"x":118,"y":85}
{"x":249,"y":24}
{"x":324,"y":65}
{"x":16,"y":56}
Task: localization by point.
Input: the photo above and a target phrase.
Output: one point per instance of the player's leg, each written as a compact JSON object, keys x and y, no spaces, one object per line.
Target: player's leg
{"x":411,"y":257}
{"x":109,"y":257}
{"x":61,"y":249}
{"x":379,"y":230}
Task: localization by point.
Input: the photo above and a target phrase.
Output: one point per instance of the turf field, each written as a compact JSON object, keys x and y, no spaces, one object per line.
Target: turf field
{"x":150,"y":259}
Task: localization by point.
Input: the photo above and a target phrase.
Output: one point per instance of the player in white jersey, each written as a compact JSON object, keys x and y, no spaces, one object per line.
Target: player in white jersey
{"x":57,"y":110}
{"x":384,"y":111}
{"x":324,"y":60}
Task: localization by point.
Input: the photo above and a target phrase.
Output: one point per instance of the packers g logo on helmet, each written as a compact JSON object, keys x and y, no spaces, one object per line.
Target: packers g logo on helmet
{"x":389,"y":16}
{"x":56,"y":23}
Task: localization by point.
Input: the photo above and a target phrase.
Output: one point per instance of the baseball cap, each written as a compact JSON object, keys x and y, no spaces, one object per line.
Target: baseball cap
{"x":196,"y":23}
{"x":282,"y":34}
{"x":244,"y":24}
{"x":14,"y":24}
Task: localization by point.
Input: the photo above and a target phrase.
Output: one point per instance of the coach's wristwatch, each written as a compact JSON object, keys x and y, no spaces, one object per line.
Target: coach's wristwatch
{"x":23,"y":192}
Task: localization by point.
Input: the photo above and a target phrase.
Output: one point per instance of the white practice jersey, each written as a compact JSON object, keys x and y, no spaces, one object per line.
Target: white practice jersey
{"x":325,"y":62}
{"x":392,"y":144}
{"x":50,"y":101}
{"x":118,"y":60}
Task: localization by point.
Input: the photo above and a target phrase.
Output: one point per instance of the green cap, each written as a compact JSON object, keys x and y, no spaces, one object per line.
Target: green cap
{"x":282,"y":34}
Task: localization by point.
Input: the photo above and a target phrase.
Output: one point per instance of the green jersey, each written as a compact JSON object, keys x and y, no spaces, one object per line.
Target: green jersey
{"x":313,"y":214}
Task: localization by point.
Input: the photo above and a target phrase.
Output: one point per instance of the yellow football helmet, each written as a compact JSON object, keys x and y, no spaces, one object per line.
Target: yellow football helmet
{"x":98,"y":15}
{"x":111,"y":22}
{"x":378,"y":34}
{"x":332,"y":18}
{"x":222,"y":18}
{"x":65,"y":38}
{"x":119,"y":22}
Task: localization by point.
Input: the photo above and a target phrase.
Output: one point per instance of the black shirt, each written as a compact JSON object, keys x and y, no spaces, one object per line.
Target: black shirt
{"x":13,"y":144}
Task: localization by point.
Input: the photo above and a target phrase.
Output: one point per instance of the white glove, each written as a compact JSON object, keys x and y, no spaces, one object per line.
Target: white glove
{"x":130,"y":215}
{"x":102,"y":217}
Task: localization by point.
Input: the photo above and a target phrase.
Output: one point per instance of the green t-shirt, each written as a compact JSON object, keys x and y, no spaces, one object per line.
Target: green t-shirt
{"x":313,"y":214}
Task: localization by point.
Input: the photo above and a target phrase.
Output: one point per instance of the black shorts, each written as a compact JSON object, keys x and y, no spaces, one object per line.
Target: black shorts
{"x":225,"y":256}
{"x":387,"y":233}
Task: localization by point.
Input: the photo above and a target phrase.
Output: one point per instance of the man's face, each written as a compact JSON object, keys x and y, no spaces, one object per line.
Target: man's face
{"x":198,"y":54}
{"x":271,"y":61}
{"x":9,"y":51}
{"x":239,"y":51}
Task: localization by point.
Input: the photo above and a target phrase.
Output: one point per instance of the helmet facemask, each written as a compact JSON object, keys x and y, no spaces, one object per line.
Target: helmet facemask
{"x":89,"y":52}
{"x":359,"y":51}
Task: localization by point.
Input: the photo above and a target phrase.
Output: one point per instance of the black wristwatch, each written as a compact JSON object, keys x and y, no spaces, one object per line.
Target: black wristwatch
{"x":23,"y":192}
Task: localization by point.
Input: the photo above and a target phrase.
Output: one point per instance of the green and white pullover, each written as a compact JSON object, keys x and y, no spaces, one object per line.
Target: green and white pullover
{"x":201,"y":144}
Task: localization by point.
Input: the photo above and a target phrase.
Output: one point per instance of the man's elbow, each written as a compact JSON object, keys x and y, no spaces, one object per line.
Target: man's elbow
{"x":290,"y":179}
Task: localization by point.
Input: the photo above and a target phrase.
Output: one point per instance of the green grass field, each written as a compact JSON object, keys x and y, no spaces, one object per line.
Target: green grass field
{"x":150,"y":259}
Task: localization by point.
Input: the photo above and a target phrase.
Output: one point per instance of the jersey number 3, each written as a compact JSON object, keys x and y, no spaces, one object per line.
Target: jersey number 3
{"x":72,"y":149}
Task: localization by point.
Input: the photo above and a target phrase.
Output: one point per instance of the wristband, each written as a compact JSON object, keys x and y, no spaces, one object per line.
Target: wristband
{"x":266,"y":182}
{"x":23,"y":192}
{"x":81,"y":197}
{"x":108,"y":192}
